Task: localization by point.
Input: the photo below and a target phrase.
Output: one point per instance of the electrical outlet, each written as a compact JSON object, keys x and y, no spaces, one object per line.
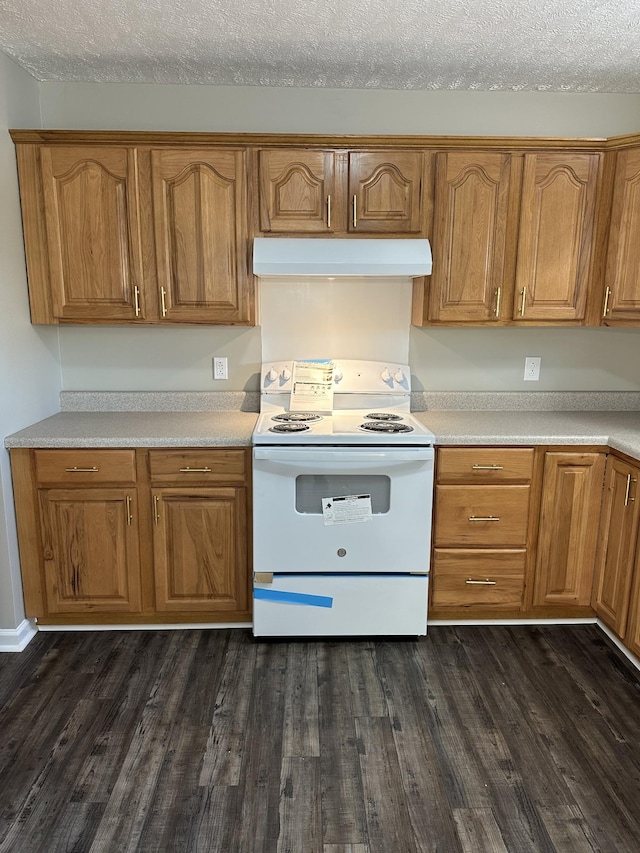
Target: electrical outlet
{"x":220,"y":369}
{"x":532,"y":367}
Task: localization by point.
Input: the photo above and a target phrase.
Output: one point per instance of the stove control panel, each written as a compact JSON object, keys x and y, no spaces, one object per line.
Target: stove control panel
{"x":349,"y":377}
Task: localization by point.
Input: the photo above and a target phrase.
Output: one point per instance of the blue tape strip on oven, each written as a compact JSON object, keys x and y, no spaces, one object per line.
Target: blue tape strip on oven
{"x":302,"y":598}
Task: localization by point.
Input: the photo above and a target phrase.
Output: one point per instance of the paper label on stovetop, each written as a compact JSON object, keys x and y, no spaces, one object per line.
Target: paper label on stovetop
{"x":346,"y":509}
{"x":312,"y":386}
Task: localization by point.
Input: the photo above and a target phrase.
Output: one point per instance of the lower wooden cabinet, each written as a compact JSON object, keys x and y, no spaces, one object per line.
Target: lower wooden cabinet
{"x":134,"y":536}
{"x":632,"y":638}
{"x":568,"y":531}
{"x":617,"y":551}
{"x":90,"y":550}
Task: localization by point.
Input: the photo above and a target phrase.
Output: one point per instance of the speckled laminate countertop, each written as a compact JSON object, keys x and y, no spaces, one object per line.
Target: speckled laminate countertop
{"x":620,"y":430}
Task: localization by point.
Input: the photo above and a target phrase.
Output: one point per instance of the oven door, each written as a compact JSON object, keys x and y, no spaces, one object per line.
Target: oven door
{"x":389,"y":532}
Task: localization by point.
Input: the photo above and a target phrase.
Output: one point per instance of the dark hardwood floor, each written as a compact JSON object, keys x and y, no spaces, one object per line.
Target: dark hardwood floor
{"x":473,"y":739}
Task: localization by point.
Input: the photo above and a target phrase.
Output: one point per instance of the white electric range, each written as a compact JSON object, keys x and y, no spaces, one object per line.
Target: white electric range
{"x":341,"y":506}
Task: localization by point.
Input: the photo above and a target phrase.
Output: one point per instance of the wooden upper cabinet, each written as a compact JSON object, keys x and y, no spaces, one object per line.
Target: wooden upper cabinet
{"x":469,"y":237}
{"x":385,"y":192}
{"x":309,"y":191}
{"x":201,"y":235}
{"x":568,"y":533}
{"x":93,"y":244}
{"x":298,"y":192}
{"x":555,"y":243}
{"x":622,"y":277}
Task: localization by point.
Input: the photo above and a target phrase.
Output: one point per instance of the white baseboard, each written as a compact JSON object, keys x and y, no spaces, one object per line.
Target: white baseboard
{"x":17,"y":639}
{"x":173,"y":626}
{"x":625,"y":651}
{"x":580,"y":620}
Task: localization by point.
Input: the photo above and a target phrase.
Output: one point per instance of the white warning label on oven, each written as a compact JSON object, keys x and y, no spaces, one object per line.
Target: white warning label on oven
{"x":346,"y":509}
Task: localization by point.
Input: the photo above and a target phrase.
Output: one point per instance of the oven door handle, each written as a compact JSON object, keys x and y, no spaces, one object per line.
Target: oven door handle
{"x":309,"y":454}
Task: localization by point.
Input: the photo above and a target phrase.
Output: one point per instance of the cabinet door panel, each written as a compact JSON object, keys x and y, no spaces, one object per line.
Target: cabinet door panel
{"x":618,"y":535}
{"x":387,"y":191}
{"x":201,"y":235}
{"x":623,"y":257}
{"x":93,"y":232}
{"x":556,"y":234}
{"x":200,"y":549}
{"x":567,"y":538}
{"x":298,"y":192}
{"x":632,"y":636}
{"x":90,"y":548}
{"x":470,"y":229}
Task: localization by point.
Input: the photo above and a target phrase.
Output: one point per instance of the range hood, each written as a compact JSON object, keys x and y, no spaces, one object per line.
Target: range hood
{"x":282,"y":256}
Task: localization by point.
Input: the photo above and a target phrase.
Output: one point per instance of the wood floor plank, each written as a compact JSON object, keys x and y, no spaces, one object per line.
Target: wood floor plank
{"x":478,"y":831}
{"x":301,"y":734}
{"x":388,"y":823}
{"x":569,"y":830}
{"x":367,"y":692}
{"x":259,"y":787}
{"x":343,"y":809}
{"x":228,"y":721}
{"x":300,"y":806}
{"x":217,"y":823}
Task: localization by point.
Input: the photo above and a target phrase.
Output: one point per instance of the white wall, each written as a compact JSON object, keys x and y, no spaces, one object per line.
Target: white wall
{"x":480,"y":359}
{"x":30,"y":376}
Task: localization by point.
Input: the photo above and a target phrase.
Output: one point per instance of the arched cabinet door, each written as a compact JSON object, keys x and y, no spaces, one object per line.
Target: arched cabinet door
{"x":298,"y":192}
{"x":555,"y":244}
{"x":92,"y":222}
{"x":385,"y":192}
{"x":621,"y":302}
{"x":201,"y":235}
{"x":469,"y":241}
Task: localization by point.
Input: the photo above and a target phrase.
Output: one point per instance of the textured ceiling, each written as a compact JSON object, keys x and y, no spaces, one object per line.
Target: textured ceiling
{"x":555,"y":45}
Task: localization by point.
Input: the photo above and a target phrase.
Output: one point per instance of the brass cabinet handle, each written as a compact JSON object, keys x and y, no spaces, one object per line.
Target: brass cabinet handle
{"x":156,"y":514}
{"x":498,"y":301}
{"x":75,"y":470}
{"x":484,"y":518}
{"x":605,"y":308}
{"x":136,"y":299}
{"x":129,"y":516}
{"x":487,"y":467}
{"x":328,"y":211}
{"x":163,"y":301}
{"x":195,"y":470}
{"x":627,"y":498}
{"x":523,"y":301}
{"x":485,"y":582}
{"x":355,"y":211}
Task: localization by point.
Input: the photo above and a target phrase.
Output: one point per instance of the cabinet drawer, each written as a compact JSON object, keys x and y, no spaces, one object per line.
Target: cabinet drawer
{"x":481,"y":515}
{"x":85,"y":466}
{"x":187,"y":466}
{"x":485,"y":464}
{"x":467,"y":578}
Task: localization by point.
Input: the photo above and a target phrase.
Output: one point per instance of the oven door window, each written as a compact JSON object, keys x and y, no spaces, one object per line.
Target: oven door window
{"x":311,"y":488}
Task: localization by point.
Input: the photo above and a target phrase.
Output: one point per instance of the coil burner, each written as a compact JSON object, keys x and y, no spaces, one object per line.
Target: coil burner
{"x":386,"y":427}
{"x":289,"y":427}
{"x":297,"y":417}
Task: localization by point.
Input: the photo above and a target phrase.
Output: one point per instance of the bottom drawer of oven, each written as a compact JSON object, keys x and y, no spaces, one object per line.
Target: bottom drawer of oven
{"x":314,"y":605}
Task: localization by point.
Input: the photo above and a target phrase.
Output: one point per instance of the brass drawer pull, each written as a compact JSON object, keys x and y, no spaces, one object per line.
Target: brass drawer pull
{"x":523,"y":301}
{"x":163,"y":301}
{"x":188,"y":470}
{"x":355,"y":211}
{"x":486,"y":582}
{"x":605,"y":308}
{"x":328,"y":211}
{"x":156,"y":514}
{"x":627,"y":498}
{"x":498,"y":301}
{"x":136,"y":297}
{"x":129,"y":516}
{"x":75,"y":470}
{"x":487,"y":467}
{"x":484,"y":518}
